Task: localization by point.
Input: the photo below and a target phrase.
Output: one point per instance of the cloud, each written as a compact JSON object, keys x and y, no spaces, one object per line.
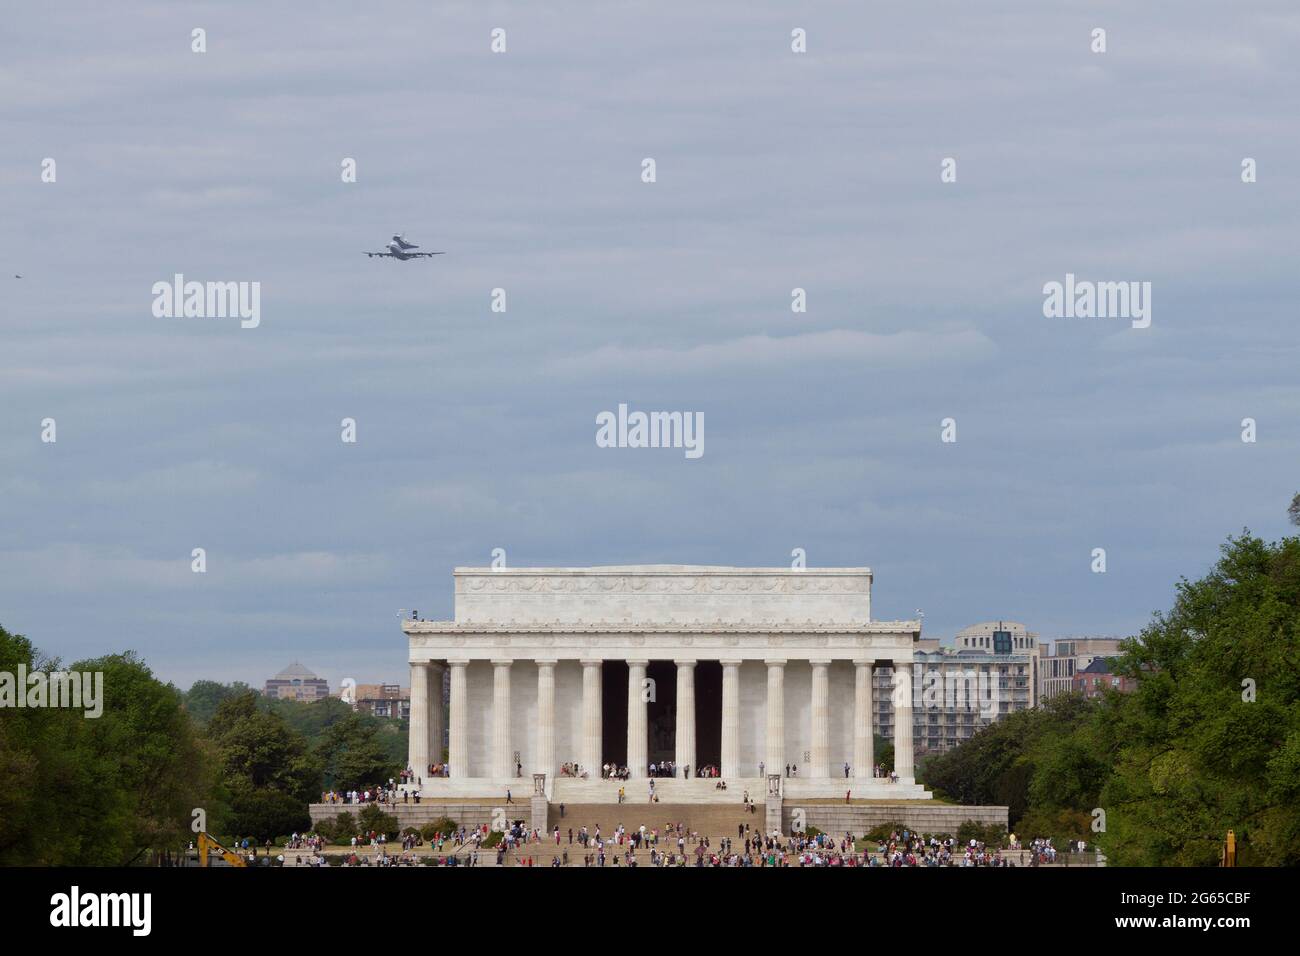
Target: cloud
{"x":476,"y":428}
{"x":863,"y":349}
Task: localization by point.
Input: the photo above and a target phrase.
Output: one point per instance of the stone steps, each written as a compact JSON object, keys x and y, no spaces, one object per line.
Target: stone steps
{"x":675,"y":791}
{"x":707,"y":820}
{"x":465,"y":813}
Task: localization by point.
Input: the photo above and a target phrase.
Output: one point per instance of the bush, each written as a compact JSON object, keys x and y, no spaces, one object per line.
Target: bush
{"x":339,"y":830}
{"x":493,"y":839}
{"x":811,"y":832}
{"x":1060,"y":826}
{"x":372,"y":817}
{"x":263,"y":813}
{"x":443,"y":825}
{"x":881,"y":833}
{"x":992,"y":834}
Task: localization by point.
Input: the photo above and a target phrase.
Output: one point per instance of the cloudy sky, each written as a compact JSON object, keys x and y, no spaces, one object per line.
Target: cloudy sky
{"x":476,"y":430}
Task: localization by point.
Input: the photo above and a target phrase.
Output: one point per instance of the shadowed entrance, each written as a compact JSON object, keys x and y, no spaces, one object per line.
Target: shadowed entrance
{"x":613,"y":700}
{"x":661,"y":711}
{"x":708,"y":714}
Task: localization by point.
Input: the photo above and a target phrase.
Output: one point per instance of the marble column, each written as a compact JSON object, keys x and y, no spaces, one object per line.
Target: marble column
{"x":418,"y":741}
{"x":863,"y":758}
{"x":776,"y":717}
{"x":458,"y":722}
{"x":590,"y":756}
{"x":638,"y":760}
{"x":544,"y":759}
{"x":437,"y":720}
{"x":820,"y":768}
{"x":903,"y":754}
{"x":731,"y":719}
{"x":685,"y":731}
{"x":503,"y":764}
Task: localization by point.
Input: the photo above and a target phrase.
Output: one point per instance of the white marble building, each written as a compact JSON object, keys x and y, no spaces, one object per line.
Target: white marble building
{"x":746,"y":669}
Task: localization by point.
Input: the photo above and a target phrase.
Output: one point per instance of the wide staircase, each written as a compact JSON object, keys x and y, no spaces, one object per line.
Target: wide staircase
{"x":703,"y":821}
{"x":696,"y":790}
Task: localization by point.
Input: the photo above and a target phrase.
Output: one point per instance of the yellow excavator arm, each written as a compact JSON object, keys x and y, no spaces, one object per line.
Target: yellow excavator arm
{"x":207,"y":844}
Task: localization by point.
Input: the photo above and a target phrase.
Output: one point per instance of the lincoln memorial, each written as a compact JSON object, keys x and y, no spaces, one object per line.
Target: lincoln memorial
{"x":749,"y":670}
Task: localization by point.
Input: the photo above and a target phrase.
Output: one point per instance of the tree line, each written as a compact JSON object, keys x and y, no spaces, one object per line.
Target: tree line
{"x":105,"y":791}
{"x":1209,"y":741}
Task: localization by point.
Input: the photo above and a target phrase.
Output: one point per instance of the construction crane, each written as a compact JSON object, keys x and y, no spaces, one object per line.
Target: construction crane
{"x":207,"y":844}
{"x":1229,"y":855}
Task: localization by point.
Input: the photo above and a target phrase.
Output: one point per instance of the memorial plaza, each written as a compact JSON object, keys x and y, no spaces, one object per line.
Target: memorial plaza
{"x":722,"y":696}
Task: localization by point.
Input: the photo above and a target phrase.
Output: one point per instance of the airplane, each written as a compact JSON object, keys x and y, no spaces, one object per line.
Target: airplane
{"x":399,"y":248}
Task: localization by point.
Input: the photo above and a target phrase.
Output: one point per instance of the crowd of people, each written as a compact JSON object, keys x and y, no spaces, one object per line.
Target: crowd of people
{"x":1041,"y":851}
{"x":409,"y":777}
{"x":671,"y":844}
{"x":387,"y":794}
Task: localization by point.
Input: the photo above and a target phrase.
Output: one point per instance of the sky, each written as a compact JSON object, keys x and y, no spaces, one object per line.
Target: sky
{"x":774,"y":170}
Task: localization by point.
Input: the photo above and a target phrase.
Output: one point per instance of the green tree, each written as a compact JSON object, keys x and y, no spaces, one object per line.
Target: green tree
{"x":266,"y":768}
{"x":374,"y":817}
{"x":315,"y":719}
{"x":353,"y":755}
{"x":1210,"y":740}
{"x":98,"y":791}
{"x":883,"y":752}
{"x":205,"y":696}
{"x":1207,"y":742}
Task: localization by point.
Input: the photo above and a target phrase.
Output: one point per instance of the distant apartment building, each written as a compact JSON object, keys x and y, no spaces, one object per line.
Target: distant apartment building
{"x":991,"y":671}
{"x":1098,"y":677}
{"x":296,"y":682}
{"x":1070,"y":656}
{"x":383,"y":700}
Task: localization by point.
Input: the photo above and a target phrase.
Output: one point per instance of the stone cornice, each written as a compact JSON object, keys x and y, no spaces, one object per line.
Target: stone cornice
{"x":716,"y":627}
{"x":657,"y":570}
{"x":668,"y":579}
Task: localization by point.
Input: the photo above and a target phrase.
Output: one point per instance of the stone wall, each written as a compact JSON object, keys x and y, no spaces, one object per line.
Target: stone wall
{"x":467,"y":815}
{"x":924,"y":817}
{"x":835,"y":819}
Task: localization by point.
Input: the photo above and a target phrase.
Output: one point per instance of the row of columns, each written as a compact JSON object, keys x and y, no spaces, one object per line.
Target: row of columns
{"x":426,"y":720}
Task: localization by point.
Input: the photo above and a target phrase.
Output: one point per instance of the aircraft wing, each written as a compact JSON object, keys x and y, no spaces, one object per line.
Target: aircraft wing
{"x":373,"y":254}
{"x":416,"y":255}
